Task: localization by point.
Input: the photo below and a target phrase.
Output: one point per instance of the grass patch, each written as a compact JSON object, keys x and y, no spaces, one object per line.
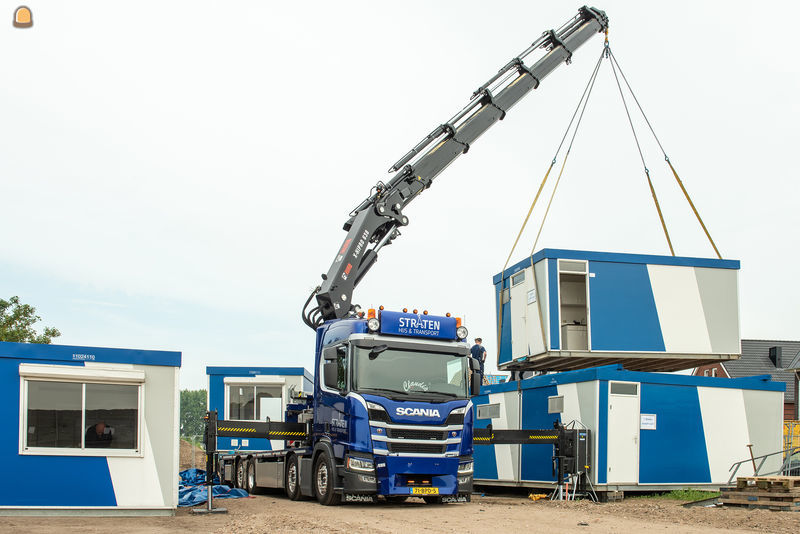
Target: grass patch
{"x":682,"y":495}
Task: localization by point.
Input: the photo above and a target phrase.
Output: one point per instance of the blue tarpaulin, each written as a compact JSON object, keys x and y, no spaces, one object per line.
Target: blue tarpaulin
{"x":192,"y":491}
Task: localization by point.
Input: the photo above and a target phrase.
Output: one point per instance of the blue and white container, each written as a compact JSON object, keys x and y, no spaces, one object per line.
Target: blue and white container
{"x":254,"y":394}
{"x":649,"y":431}
{"x":566,"y":309}
{"x":89,"y":430}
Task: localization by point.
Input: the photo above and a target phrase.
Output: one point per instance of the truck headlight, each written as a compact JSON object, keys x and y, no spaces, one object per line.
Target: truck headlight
{"x":458,"y":411}
{"x":361,"y":464}
{"x":374,"y":406}
{"x":373,"y":324}
{"x":462,"y":332}
{"x":465,"y":468}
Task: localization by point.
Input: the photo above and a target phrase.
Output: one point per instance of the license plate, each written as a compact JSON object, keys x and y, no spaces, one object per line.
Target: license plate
{"x":424,"y":491}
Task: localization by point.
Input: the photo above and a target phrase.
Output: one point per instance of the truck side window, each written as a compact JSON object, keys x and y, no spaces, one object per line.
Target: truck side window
{"x":341,"y":364}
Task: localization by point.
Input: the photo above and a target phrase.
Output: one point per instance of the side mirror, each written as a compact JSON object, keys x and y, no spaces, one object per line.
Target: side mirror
{"x":330,"y":373}
{"x":475,"y":384}
{"x":333,"y":351}
{"x":377,"y":350}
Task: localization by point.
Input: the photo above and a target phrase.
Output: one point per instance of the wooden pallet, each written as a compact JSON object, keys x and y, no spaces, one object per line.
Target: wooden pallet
{"x":772,"y":493}
{"x":783,"y":483}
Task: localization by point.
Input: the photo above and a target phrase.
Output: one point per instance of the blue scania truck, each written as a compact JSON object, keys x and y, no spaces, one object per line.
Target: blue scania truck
{"x":390,"y":415}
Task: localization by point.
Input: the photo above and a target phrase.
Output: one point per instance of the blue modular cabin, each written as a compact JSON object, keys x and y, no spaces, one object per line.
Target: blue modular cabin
{"x":567,"y":309}
{"x":649,"y":431}
{"x":254,"y":394}
{"x":90,"y":430}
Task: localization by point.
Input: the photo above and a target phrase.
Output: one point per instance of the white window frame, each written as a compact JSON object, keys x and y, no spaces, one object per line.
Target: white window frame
{"x":80,"y":375}
{"x":252,"y":381}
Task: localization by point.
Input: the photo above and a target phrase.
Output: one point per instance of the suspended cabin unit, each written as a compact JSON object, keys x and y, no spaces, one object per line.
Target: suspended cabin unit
{"x":566,"y":309}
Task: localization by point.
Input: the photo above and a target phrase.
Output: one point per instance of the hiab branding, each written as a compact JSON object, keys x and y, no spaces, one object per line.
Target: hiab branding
{"x":360,"y":244}
{"x":427,"y":412}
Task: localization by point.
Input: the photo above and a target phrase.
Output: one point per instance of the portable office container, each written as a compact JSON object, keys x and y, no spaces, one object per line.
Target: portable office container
{"x":89,"y":430}
{"x":254,"y":394}
{"x":565,"y":309}
{"x":649,"y":431}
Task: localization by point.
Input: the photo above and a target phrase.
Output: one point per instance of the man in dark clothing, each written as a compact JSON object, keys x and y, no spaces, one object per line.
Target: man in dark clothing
{"x":479,"y":353}
{"x":98,"y":436}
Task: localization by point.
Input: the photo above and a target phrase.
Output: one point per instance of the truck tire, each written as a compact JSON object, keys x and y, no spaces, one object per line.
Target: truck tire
{"x":238,"y":474}
{"x":250,"y":476}
{"x":292,"y":479}
{"x":324,"y":480}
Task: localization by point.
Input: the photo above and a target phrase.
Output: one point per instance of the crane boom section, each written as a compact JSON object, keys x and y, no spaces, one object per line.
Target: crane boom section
{"x":375,"y":222}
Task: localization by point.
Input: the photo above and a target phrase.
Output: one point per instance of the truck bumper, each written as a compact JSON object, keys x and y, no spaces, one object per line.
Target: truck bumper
{"x":405,"y":475}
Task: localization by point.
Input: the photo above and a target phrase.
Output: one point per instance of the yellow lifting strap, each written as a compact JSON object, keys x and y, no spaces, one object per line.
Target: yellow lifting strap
{"x":522,"y":229}
{"x":658,"y":209}
{"x":614,"y":62}
{"x":581,"y":105}
{"x":696,"y":213}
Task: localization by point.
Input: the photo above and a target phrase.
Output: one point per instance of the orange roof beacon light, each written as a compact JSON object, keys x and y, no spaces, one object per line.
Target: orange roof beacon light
{"x":447,"y":314}
{"x":370,"y":313}
{"x":415,"y":311}
{"x":405,"y":310}
{"x":23,"y":17}
{"x":380,"y":308}
{"x":424,"y":312}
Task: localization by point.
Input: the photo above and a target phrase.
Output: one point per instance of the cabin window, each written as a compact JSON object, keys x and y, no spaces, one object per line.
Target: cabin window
{"x":624,"y":388}
{"x":248,"y":402}
{"x":518,"y":278}
{"x":73,"y":416}
{"x":488,"y":411}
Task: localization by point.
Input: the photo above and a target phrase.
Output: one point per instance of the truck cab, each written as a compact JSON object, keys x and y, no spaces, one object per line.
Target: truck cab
{"x":392,"y":410}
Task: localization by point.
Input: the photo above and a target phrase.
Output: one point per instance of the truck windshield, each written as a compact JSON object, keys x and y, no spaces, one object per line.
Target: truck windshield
{"x":403,"y":373}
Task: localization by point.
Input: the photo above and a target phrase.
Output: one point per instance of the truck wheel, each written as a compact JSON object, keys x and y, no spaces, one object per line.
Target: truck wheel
{"x":238,"y":477}
{"x":324,"y":480}
{"x":292,"y":479}
{"x":250,"y":476}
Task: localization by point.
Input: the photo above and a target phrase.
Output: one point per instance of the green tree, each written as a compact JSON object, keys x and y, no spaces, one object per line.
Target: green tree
{"x":17,"y":320}
{"x":193,"y":409}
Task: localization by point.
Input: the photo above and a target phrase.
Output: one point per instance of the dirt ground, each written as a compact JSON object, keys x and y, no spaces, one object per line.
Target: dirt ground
{"x":511,"y":513}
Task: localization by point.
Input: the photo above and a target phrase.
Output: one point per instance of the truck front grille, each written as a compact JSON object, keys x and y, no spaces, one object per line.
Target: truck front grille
{"x":416,"y":447}
{"x":403,"y":433}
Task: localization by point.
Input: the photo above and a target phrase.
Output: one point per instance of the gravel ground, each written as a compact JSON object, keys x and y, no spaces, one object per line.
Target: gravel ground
{"x":486,"y":514}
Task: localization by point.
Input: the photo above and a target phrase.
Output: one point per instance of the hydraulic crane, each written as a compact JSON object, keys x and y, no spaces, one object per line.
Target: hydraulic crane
{"x":391,"y":415}
{"x":377,"y":220}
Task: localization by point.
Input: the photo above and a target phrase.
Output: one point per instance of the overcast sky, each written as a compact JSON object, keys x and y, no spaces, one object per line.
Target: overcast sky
{"x":174,"y":175}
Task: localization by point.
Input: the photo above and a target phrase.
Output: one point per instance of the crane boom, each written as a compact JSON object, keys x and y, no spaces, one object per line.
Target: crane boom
{"x":376,"y":221}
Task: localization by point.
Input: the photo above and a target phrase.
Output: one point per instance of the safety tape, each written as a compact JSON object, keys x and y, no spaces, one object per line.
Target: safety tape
{"x":271,"y":433}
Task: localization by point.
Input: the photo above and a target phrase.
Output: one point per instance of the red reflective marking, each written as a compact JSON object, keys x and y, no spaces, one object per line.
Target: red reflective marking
{"x":347,"y":269}
{"x":344,"y":247}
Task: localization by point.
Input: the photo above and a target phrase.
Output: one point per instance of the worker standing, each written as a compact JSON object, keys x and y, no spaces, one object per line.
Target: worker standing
{"x":479,"y":353}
